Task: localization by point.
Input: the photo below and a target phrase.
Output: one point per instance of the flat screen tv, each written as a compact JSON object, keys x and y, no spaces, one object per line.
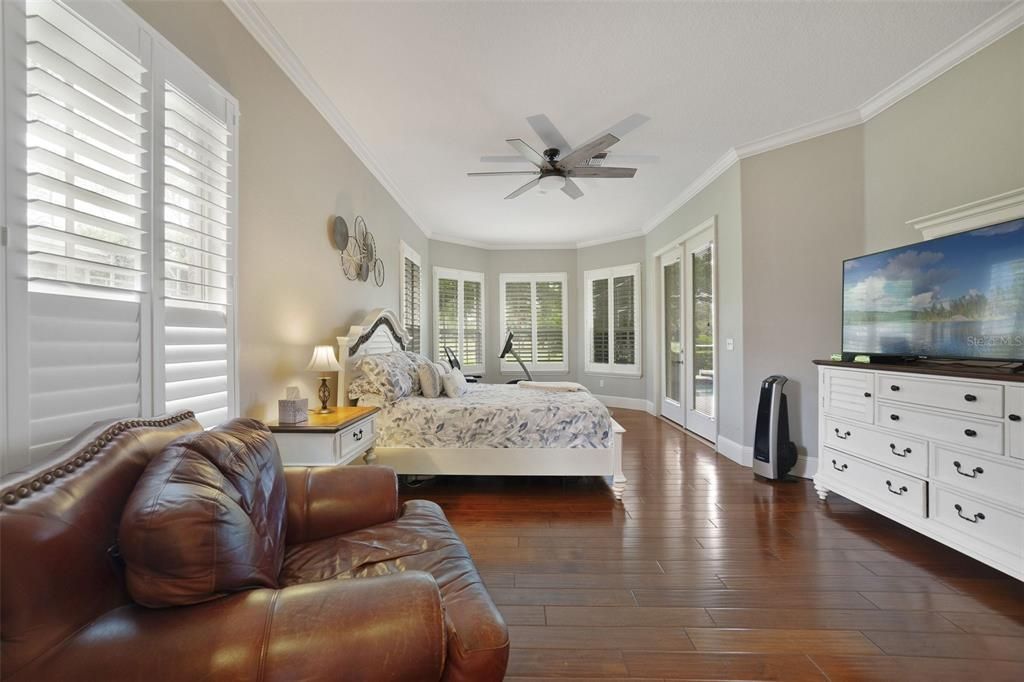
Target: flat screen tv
{"x":956,"y":297}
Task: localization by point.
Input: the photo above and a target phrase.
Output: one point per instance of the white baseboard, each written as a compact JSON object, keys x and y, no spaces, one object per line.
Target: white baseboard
{"x":741,"y":454}
{"x":805,"y":467}
{"x":626,"y":403}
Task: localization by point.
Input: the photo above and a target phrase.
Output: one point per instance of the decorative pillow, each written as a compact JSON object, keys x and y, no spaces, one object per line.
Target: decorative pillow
{"x":207,"y":517}
{"x":430,"y":380}
{"x":454,"y":383}
{"x":416,"y":361}
{"x":371,"y":400}
{"x":387,"y":374}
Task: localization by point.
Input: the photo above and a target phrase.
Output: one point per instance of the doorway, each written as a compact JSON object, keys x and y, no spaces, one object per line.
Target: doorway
{"x":688,"y":339}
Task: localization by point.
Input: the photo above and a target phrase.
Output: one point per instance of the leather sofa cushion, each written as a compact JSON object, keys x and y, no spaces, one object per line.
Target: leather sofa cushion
{"x":206,"y":518}
{"x":421,"y":539}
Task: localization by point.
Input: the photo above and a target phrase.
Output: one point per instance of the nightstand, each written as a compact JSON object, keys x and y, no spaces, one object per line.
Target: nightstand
{"x":337,"y":438}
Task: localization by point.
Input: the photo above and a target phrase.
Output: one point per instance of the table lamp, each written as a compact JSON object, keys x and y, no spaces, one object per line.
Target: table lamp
{"x":323,"y":360}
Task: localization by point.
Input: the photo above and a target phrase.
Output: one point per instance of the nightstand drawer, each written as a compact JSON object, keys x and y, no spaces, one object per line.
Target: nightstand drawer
{"x":355,"y":440}
{"x":964,"y":431}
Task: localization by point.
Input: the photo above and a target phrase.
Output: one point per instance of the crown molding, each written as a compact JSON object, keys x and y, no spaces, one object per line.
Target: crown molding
{"x":981,"y":36}
{"x":992,"y":29}
{"x":609,"y":240}
{"x":257,"y":24}
{"x":989,"y":211}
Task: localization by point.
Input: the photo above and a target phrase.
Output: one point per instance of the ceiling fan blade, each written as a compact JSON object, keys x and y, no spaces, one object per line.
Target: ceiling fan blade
{"x":525,"y":188}
{"x":503,"y":158}
{"x":582,"y":154}
{"x":474,"y":175}
{"x":572,"y":189}
{"x":601,"y":172}
{"x":628,"y":125}
{"x":547,"y":132}
{"x":529,"y":153}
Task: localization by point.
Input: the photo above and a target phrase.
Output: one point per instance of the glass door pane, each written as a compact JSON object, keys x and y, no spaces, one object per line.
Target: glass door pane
{"x":673,"y":330}
{"x":702,"y":365}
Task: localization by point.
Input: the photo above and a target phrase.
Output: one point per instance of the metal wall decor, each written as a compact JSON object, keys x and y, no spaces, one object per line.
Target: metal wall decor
{"x":358,"y":251}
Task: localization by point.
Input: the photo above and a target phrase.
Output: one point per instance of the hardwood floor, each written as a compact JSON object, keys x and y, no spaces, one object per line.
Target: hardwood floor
{"x":704,"y":573}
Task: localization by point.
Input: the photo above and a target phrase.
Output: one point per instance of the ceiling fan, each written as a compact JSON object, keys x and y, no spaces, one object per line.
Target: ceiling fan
{"x":556,"y":172}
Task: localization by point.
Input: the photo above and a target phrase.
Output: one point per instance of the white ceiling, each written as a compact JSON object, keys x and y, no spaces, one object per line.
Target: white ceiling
{"x":430,"y":87}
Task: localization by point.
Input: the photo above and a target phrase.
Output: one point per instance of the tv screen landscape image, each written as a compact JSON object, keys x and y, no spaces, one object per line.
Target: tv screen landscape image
{"x":957,"y":297}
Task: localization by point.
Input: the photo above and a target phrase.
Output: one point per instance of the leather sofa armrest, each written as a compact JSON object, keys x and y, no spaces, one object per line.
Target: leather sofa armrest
{"x":384,"y":628}
{"x":326,"y":501}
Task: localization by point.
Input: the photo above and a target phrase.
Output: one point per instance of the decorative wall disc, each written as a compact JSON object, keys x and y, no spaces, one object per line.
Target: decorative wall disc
{"x":378,"y":272}
{"x":339,"y":233}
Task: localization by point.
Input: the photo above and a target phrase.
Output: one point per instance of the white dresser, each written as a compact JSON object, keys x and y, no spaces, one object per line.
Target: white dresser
{"x":940,"y":453}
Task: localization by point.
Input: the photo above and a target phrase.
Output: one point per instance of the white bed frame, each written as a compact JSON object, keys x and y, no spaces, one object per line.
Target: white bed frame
{"x":382,"y":332}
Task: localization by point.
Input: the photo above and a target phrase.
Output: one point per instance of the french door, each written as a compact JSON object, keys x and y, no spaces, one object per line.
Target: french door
{"x":688,"y":343}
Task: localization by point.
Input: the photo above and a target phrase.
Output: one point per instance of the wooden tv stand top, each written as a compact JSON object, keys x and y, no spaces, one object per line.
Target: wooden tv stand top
{"x":938,"y":368}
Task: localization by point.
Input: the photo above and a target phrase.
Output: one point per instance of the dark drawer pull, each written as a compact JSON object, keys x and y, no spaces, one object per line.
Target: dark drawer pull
{"x":894,"y":417}
{"x":906,"y":451}
{"x":358,"y":435}
{"x":902,"y":489}
{"x":960,"y":512}
{"x":866,"y":394}
{"x":970,"y":433}
{"x":970,"y":398}
{"x":894,"y":387}
{"x":1015,"y":417}
{"x":974,"y":472}
{"x":839,"y":468}
{"x":842,"y":436}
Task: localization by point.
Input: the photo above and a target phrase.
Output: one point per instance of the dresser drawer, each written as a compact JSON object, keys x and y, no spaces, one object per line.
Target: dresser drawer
{"x":963,"y":431}
{"x":899,"y":451}
{"x":962,"y":396}
{"x":1015,"y":421}
{"x":978,"y":521}
{"x":981,"y":477}
{"x":849,"y":393}
{"x":355,"y":440}
{"x":890,"y":488}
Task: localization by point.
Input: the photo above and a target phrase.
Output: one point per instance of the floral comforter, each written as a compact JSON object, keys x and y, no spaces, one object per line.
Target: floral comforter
{"x":497,"y":416}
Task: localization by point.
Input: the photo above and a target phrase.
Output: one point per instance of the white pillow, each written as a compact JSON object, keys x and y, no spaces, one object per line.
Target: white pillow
{"x":454,"y":383}
{"x":430,"y":380}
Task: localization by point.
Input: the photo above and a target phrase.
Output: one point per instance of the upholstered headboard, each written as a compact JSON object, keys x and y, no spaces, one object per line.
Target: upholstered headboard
{"x":380,"y":332}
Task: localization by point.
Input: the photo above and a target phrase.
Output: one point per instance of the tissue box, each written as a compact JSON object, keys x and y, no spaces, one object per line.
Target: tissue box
{"x":292,"y":410}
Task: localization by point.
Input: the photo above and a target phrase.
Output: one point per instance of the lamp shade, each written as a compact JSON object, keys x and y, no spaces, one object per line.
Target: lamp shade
{"x":323,"y":360}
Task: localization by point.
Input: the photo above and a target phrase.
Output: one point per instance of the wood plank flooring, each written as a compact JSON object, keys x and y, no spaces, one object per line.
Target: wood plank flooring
{"x":703,"y":573}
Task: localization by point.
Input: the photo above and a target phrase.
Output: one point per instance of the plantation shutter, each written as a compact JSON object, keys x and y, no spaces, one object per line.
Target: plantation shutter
{"x":87,"y":229}
{"x":519,"y":317}
{"x":533,"y":307}
{"x":549,"y":323}
{"x":447,"y":316}
{"x":198,"y":229}
{"x":599,"y":352}
{"x":412,"y":303}
{"x":625,"y":325}
{"x":473,"y":325}
{"x":613,"y":320}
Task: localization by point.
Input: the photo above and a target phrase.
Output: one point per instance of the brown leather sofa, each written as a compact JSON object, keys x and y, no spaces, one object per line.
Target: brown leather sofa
{"x":347,"y":583}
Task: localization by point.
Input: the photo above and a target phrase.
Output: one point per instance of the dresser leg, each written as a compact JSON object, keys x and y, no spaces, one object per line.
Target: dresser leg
{"x":821,"y":490}
{"x":370,"y":457}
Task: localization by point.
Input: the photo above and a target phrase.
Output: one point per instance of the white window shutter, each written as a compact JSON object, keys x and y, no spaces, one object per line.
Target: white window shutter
{"x":459,"y":317}
{"x":518,"y":305}
{"x":612,"y":311}
{"x":198,"y":257}
{"x":412,"y":297}
{"x":534,"y":307}
{"x":87,"y":226}
{"x":550,"y":324}
{"x":473,"y":325}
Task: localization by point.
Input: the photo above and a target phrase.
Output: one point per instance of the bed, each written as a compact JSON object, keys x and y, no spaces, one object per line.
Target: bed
{"x":492,"y":430}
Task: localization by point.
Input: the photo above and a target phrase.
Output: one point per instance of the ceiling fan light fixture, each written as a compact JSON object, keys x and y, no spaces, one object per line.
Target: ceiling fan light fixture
{"x":552,"y":183}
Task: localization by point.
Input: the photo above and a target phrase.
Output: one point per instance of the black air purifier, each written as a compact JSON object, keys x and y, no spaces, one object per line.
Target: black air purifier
{"x":774,"y":453}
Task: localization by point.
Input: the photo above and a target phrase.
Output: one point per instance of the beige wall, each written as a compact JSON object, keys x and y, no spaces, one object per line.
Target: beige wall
{"x":958,"y":139}
{"x":720,"y":199}
{"x":295,"y":174}
{"x":803,"y":213}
